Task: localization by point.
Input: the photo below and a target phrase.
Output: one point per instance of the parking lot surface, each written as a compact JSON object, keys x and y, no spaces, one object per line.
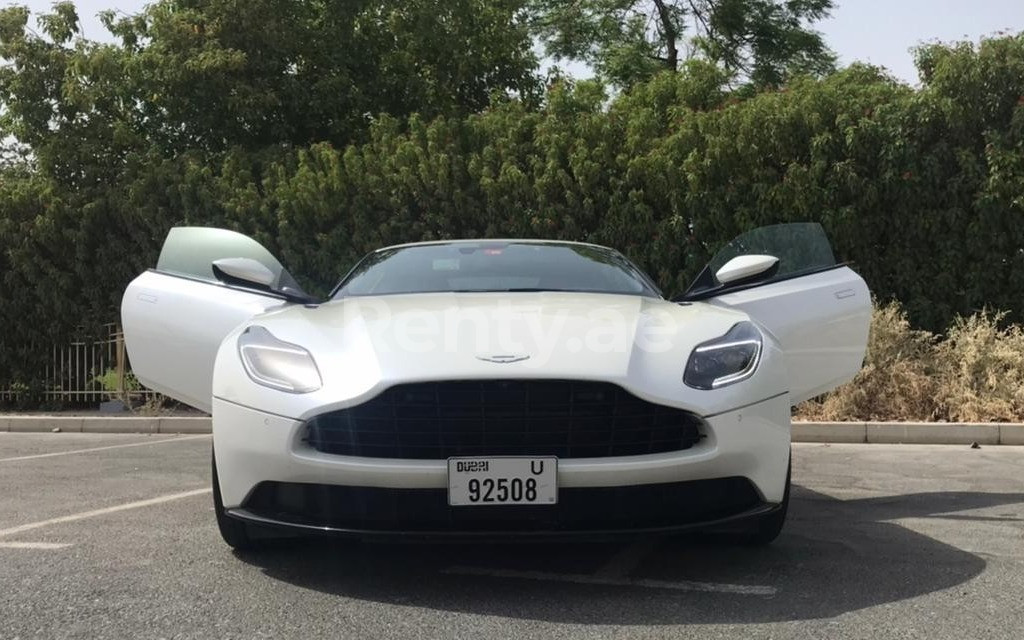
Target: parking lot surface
{"x":112,"y":536}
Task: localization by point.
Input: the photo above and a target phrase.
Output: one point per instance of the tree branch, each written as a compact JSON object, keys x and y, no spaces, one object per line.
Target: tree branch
{"x":670,"y":33}
{"x":699,"y":17}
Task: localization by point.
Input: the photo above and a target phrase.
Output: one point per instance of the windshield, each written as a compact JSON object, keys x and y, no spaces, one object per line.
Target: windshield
{"x":495,"y":266}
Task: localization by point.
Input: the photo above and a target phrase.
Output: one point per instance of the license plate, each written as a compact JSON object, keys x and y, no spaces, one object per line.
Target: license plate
{"x":505,"y":480}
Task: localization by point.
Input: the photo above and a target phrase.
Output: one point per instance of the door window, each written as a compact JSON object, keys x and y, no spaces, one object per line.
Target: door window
{"x":190,"y":252}
{"x":801,"y":247}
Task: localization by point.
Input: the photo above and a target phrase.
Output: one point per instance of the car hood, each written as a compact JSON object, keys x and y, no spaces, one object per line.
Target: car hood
{"x":363,"y":345}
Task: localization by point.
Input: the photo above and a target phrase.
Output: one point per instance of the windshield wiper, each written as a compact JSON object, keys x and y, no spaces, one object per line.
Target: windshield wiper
{"x":532,"y":289}
{"x":511,"y":290}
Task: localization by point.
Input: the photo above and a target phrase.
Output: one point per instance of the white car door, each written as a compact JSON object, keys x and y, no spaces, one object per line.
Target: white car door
{"x":818,"y":310}
{"x":176,"y":315}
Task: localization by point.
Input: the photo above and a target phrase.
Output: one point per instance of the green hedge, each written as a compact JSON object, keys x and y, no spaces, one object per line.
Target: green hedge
{"x":922,"y":189}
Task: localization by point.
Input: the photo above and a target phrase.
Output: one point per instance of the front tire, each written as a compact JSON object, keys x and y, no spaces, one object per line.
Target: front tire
{"x":234,"y":532}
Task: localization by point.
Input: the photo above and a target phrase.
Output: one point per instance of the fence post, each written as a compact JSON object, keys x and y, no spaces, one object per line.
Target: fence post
{"x":119,"y":337}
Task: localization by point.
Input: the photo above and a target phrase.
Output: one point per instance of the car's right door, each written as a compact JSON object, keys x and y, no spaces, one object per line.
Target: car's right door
{"x":817,"y":309}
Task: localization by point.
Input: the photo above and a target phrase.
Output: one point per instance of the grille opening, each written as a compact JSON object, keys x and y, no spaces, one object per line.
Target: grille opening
{"x":594,"y":509}
{"x":564,"y":418}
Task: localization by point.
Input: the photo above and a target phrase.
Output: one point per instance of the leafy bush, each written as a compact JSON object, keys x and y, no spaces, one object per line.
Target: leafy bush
{"x":108,"y":381}
{"x":919,"y":188}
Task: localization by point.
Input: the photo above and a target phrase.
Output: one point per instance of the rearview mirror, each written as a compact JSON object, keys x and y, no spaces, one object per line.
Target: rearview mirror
{"x":747,"y":268}
{"x":243,"y":271}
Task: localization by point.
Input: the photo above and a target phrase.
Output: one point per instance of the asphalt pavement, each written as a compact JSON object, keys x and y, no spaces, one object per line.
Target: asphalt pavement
{"x":112,"y":536}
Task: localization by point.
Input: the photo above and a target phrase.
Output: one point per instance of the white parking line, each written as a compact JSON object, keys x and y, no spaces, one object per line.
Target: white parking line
{"x":113,"y":446}
{"x":34,"y":545}
{"x":680,"y":585}
{"x":102,"y":512}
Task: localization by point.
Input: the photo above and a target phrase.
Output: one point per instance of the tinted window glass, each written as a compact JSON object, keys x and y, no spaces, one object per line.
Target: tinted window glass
{"x":495,"y":266}
{"x":190,"y":251}
{"x":801,"y":247}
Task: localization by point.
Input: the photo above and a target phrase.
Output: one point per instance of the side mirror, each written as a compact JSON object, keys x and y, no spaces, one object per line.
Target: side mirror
{"x":243,"y":271}
{"x":747,"y":268}
{"x":254,"y":274}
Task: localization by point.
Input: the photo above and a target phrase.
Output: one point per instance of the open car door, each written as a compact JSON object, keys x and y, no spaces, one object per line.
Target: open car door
{"x":176,"y":315}
{"x":818,"y":310}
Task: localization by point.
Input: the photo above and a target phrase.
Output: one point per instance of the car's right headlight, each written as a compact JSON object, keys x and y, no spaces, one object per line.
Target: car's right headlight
{"x":726,"y":360}
{"x":277,"y":364}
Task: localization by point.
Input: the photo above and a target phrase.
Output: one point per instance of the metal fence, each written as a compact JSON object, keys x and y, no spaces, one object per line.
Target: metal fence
{"x":85,"y":373}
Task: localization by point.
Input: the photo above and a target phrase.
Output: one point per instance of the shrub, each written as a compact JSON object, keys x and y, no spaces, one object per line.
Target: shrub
{"x":981,"y":370}
{"x":919,"y":187}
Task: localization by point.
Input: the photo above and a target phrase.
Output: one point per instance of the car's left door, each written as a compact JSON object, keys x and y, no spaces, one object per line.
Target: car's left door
{"x":175,"y":316}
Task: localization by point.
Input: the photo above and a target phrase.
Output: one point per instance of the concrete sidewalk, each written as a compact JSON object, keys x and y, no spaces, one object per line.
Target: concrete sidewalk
{"x":851,"y":432}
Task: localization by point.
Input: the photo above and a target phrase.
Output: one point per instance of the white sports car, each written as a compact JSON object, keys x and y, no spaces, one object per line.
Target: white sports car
{"x":497,"y":387}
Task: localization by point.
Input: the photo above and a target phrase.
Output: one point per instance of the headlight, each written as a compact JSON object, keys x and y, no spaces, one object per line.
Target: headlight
{"x":277,"y":364}
{"x":726,"y":360}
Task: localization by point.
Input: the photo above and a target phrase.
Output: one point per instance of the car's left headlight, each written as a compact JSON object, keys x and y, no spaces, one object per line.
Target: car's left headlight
{"x":726,"y":360}
{"x":277,"y":364}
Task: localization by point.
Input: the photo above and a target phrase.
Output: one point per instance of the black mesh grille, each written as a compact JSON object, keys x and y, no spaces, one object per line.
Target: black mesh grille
{"x":564,"y":418}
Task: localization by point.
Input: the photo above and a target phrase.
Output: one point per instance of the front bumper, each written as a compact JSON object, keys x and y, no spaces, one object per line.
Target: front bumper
{"x":598,"y":511}
{"x":267,"y":474}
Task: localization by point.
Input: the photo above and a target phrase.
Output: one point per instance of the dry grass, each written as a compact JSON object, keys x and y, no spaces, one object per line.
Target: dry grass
{"x":898,"y":379}
{"x":982,"y":371}
{"x":974,"y":374}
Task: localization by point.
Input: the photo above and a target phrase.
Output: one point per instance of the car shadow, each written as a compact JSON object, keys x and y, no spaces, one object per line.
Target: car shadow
{"x":834,"y":556}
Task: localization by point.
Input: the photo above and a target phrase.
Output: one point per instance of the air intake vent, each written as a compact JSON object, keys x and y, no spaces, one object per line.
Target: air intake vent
{"x":564,"y":418}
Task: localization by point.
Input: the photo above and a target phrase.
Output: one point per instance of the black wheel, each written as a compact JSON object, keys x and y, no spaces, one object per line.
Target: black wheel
{"x":234,"y":532}
{"x":764,"y":530}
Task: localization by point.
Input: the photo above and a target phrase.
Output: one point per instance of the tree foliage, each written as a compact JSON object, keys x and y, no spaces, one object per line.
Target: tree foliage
{"x":922,"y":189}
{"x":209,"y":75}
{"x":628,"y":41}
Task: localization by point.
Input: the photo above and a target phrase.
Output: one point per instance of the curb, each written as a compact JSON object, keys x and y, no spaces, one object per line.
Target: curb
{"x":104,"y":424}
{"x":910,"y":432}
{"x":831,"y":432}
